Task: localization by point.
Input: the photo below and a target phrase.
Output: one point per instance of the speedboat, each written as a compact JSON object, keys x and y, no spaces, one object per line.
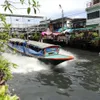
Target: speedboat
{"x":48,"y":53}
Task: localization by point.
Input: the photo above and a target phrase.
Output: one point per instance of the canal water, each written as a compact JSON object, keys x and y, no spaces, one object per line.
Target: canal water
{"x":78,"y":79}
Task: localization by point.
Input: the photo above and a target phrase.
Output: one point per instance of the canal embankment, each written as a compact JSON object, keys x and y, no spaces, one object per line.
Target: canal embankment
{"x":87,"y":40}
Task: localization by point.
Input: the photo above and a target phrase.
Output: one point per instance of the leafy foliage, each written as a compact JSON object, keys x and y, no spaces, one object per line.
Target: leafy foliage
{"x":5,"y":67}
{"x":8,"y":5}
{"x":3,"y":40}
{"x":3,"y":19}
{"x":21,"y":36}
{"x":36,"y":36}
{"x":4,"y":95}
{"x":4,"y":36}
{"x":5,"y":72}
{"x":28,"y":10}
{"x":95,"y":41}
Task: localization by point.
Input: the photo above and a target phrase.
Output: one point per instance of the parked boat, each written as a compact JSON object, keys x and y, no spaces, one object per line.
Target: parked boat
{"x":47,"y":53}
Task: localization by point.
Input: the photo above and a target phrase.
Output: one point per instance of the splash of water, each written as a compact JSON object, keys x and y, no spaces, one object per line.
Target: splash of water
{"x":30,"y":64}
{"x":76,"y":59}
{"x":83,"y":60}
{"x":25,"y":64}
{"x":67,"y":53}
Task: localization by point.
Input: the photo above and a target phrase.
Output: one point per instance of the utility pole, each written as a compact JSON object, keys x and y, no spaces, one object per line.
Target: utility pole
{"x":46,"y":24}
{"x":62,"y":12}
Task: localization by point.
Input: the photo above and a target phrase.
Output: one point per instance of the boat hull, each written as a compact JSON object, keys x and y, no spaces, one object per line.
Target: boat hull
{"x":55,"y":61}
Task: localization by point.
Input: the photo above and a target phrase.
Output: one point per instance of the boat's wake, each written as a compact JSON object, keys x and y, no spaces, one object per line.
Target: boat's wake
{"x":25,"y":64}
{"x":29,"y":64}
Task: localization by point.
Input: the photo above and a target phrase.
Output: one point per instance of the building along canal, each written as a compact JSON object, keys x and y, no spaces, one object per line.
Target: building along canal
{"x":78,"y":79}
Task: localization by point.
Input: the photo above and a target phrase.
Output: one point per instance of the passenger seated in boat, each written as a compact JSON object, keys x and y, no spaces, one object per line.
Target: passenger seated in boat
{"x":17,"y":43}
{"x":24,"y":45}
{"x":20,"y":44}
{"x":12,"y":43}
{"x":35,"y":50}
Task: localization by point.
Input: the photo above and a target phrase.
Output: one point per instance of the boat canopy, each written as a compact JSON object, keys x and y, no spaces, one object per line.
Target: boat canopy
{"x":41,"y":45}
{"x":35,"y":43}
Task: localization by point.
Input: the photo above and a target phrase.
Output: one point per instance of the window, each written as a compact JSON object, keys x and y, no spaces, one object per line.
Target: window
{"x":93,"y":15}
{"x":51,"y":51}
{"x":34,"y":48}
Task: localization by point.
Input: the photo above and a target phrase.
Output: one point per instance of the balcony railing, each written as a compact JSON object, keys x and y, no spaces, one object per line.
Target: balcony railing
{"x":89,"y":4}
{"x":92,"y":2}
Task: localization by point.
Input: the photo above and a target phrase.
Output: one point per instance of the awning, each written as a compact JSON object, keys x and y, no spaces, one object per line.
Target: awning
{"x":88,"y":27}
{"x":68,"y":30}
{"x":92,"y":26}
{"x":62,"y":29}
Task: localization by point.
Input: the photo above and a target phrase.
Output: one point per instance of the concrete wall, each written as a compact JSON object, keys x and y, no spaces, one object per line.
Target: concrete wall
{"x":93,"y":21}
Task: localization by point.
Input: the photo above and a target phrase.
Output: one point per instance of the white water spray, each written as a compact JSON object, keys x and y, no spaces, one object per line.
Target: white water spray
{"x":31,"y":64}
{"x":25,"y":64}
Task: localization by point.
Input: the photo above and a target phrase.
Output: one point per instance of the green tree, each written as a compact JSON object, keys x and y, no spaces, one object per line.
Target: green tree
{"x":31,"y":4}
{"x":36,"y":36}
{"x":4,"y":36}
{"x":5,"y":72}
{"x":4,"y":95}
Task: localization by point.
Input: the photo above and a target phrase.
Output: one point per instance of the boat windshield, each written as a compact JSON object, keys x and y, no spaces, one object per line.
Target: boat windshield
{"x":51,"y":51}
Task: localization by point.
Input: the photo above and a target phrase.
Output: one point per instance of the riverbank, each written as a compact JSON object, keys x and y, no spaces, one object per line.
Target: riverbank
{"x":87,"y":40}
{"x":78,"y":45}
